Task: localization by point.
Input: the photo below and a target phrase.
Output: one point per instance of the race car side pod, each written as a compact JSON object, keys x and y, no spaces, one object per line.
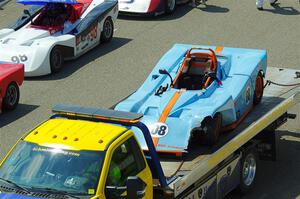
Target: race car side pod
{"x":114,"y":117}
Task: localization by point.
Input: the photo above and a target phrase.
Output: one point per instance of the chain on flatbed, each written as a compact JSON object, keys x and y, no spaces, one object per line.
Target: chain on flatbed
{"x":269,"y":82}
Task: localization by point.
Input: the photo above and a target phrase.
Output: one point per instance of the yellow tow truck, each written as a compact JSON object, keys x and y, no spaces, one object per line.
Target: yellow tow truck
{"x":83,"y":152}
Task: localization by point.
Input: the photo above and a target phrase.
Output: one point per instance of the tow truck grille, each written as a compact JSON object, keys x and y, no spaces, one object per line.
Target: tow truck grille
{"x":8,"y":189}
{"x":46,"y":195}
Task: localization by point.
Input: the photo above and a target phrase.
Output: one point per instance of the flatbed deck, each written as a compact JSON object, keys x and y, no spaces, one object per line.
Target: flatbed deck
{"x":276,"y":101}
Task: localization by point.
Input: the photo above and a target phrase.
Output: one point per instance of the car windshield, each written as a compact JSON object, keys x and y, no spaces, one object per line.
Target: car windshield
{"x":42,"y":168}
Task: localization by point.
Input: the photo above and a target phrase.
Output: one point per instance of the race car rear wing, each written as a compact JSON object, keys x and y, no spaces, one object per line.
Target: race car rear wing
{"x":114,"y":117}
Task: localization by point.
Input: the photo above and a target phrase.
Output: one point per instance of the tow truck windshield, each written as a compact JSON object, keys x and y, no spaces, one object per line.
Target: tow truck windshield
{"x":45,"y":169}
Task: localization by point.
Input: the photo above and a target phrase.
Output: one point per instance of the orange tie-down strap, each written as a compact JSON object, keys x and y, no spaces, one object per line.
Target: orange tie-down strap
{"x":166,"y":112}
{"x":219,"y":49}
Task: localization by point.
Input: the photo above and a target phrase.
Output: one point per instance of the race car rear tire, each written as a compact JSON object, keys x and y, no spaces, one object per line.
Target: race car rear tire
{"x":12,"y":96}
{"x":170,"y":6}
{"x":259,"y":88}
{"x":212,"y":128}
{"x":56,"y":60}
{"x":248,"y":171}
{"x":108,"y":30}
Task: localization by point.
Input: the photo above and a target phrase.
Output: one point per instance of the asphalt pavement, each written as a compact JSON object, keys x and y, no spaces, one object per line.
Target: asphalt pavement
{"x":112,"y":71}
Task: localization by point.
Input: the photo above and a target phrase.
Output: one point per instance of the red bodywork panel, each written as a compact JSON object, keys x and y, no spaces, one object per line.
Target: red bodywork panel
{"x":153,"y":5}
{"x":10,"y":73}
{"x":74,"y":13}
{"x":78,"y":9}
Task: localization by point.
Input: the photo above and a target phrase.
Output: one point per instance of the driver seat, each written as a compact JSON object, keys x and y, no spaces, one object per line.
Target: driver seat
{"x":194,"y":72}
{"x":199,"y":66}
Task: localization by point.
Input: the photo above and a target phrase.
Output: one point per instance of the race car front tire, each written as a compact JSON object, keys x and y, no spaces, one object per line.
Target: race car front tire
{"x":212,"y":128}
{"x":108,"y":30}
{"x":56,"y":60}
{"x":12,"y":96}
{"x":259,"y":88}
{"x":170,"y":6}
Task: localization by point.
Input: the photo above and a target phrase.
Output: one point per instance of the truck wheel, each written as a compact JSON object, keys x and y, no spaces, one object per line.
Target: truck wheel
{"x":212,"y":129}
{"x":56,"y":60}
{"x":170,"y":6}
{"x":248,"y":171}
{"x":108,"y":30}
{"x":259,"y":88}
{"x":12,"y":97}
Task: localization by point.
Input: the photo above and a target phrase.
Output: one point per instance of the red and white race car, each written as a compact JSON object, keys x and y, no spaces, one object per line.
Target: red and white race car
{"x":11,"y":77}
{"x":148,"y":7}
{"x":52,"y":31}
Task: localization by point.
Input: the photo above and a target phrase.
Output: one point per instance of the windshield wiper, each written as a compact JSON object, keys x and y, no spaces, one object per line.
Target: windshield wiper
{"x":15,"y":185}
{"x":55,"y":191}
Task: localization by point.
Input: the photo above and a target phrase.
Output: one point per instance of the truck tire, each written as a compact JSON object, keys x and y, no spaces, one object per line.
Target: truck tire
{"x":108,"y":30}
{"x":56,"y":59}
{"x":12,"y":96}
{"x":212,"y":129}
{"x":248,"y":171}
{"x":170,"y":6}
{"x":259,"y":88}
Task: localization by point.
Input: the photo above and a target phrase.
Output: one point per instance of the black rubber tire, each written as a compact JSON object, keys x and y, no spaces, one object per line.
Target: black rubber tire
{"x":12,"y":96}
{"x":170,"y":8}
{"x":258,"y":94}
{"x":212,"y":126}
{"x":56,"y":59}
{"x":108,"y":30}
{"x":245,"y":186}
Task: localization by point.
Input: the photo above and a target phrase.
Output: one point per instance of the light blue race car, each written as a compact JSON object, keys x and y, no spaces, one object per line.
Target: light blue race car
{"x":197,"y":91}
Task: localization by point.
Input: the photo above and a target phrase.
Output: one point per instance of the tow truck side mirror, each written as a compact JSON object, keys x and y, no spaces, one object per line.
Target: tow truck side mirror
{"x":136,"y":188}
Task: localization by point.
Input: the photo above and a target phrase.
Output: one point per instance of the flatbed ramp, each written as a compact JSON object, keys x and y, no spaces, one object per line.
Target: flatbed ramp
{"x":276,"y":100}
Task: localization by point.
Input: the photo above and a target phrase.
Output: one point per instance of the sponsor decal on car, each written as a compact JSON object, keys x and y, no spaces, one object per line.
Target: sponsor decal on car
{"x":85,"y":40}
{"x":247,"y":95}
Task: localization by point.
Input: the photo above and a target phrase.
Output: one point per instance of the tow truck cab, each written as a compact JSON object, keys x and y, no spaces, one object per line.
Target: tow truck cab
{"x":81,"y":158}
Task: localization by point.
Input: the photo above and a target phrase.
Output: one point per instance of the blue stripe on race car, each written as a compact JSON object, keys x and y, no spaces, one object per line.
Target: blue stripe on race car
{"x":15,"y":196}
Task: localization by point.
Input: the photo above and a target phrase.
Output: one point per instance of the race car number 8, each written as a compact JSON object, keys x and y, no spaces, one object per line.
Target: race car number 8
{"x":160,"y":130}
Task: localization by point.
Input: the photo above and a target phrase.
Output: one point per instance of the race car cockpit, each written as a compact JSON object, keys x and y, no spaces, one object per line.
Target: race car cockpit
{"x":197,"y":71}
{"x":52,"y":15}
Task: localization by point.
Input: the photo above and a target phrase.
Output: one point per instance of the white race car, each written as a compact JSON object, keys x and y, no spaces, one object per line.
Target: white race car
{"x":148,"y":7}
{"x":52,"y":31}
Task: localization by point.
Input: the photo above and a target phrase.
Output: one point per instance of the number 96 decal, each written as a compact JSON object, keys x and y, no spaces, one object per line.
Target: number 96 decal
{"x":19,"y":59}
{"x":159,"y":130}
